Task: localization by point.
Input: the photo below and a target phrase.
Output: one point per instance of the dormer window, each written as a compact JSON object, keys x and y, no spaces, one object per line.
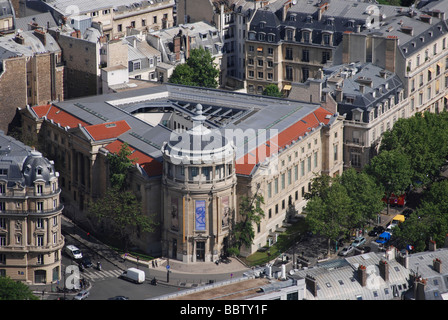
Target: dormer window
{"x":309,"y":19}
{"x":306,"y":36}
{"x":262,"y":24}
{"x":3,"y":172}
{"x":39,"y":170}
{"x":330,"y":21}
{"x":292,"y":17}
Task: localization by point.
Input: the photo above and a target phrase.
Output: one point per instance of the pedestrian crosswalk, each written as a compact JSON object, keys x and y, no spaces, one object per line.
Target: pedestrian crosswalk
{"x":93,"y":275}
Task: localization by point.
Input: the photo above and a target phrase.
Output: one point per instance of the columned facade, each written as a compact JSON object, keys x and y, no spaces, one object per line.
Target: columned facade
{"x":198,"y":187}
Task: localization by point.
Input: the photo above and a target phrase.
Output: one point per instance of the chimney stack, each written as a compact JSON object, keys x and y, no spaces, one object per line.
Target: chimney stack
{"x":437,"y":265}
{"x":362,"y":275}
{"x":311,"y":284}
{"x":432,"y":245}
{"x":419,"y":288}
{"x":384,"y":270}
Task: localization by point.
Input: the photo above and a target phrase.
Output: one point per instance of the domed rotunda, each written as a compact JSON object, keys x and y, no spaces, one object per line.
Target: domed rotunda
{"x":199,"y":192}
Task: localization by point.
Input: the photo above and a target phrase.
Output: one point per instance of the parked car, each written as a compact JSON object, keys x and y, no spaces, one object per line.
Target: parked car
{"x":407,"y":212}
{"x":86,"y":262}
{"x":376,"y":231}
{"x":346,"y":250}
{"x":82,"y":295}
{"x":384,"y":238}
{"x":359,"y":241}
{"x":73,"y":252}
{"x":119,"y":298}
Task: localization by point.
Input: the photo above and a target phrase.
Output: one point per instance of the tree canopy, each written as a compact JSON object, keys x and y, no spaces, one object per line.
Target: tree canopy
{"x":199,"y":70}
{"x":15,"y":290}
{"x":272,"y":91}
{"x":250,"y":213}
{"x":119,"y":207}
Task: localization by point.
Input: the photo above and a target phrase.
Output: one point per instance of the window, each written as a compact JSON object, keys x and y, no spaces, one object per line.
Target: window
{"x":276,"y":185}
{"x":260,"y":75}
{"x":305,"y":56}
{"x":120,"y":28}
{"x":154,"y":19}
{"x":40,"y":240}
{"x":40,"y":259}
{"x":269,"y":189}
{"x":335,"y":152}
{"x":289,"y":73}
{"x":270,"y":51}
{"x":39,"y":188}
{"x":288,"y":54}
{"x":305,"y":74}
{"x":40,"y":223}
{"x":306,"y":37}
{"x":283,"y":181}
{"x":2,"y":223}
{"x":260,"y":63}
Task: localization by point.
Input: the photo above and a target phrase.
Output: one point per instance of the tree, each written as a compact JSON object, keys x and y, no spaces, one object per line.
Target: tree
{"x":250,"y":213}
{"x":391,"y":170}
{"x":422,"y":138}
{"x":365,"y":196}
{"x":272,"y":91}
{"x":119,"y":207}
{"x":15,"y":290}
{"x":199,"y":70}
{"x":328,"y":213}
{"x":119,"y":165}
{"x":122,"y":212}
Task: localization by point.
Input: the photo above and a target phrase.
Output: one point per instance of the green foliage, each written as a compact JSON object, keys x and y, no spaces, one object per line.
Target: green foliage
{"x":15,"y":290}
{"x":429,"y":221}
{"x":365,"y":194}
{"x":422,"y":139}
{"x":120,"y":208}
{"x":199,"y":70}
{"x":338,"y":205}
{"x":251,"y":214}
{"x":122,"y":212}
{"x":272,"y":91}
{"x":119,"y":165}
{"x":391,"y":170}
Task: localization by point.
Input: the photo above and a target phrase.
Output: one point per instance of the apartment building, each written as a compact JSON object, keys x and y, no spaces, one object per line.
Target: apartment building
{"x":231,"y":18}
{"x":30,"y":215}
{"x":113,"y":17}
{"x":371,"y":99}
{"x":294,"y":140}
{"x":7,"y":16}
{"x":176,"y":43}
{"x":31,"y":72}
{"x":412,"y":43}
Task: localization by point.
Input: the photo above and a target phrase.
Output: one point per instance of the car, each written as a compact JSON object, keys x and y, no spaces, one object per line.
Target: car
{"x":119,"y":298}
{"x":73,"y":252}
{"x":359,"y":241}
{"x":376,"y":231}
{"x":346,"y":250}
{"x":86,"y":262}
{"x":407,"y":212}
{"x":82,"y":295}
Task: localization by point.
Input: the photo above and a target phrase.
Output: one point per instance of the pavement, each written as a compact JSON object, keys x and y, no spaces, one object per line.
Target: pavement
{"x":178,"y":273}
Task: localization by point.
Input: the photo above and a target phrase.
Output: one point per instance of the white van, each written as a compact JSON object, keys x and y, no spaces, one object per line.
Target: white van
{"x":134,"y":275}
{"x":73,"y":252}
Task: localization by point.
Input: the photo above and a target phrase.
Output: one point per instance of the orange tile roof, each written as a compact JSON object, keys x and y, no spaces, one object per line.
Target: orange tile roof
{"x":108,"y":130}
{"x":245,"y":164}
{"x":151,"y":166}
{"x":58,"y":116}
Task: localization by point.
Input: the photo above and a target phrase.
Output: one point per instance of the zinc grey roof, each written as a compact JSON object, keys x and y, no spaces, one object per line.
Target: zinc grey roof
{"x":384,"y":84}
{"x":43,"y":20}
{"x":6,"y":9}
{"x":22,"y":162}
{"x":342,"y":282}
{"x":422,"y":264}
{"x":86,"y":6}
